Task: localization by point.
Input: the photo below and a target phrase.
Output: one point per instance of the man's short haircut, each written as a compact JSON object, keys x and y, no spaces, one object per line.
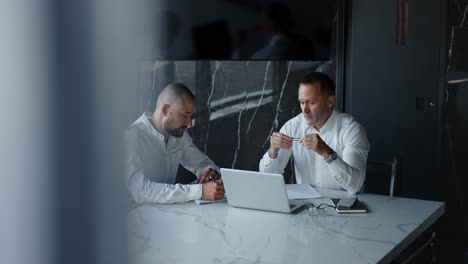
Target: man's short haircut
{"x":327,"y":87}
{"x":173,"y":92}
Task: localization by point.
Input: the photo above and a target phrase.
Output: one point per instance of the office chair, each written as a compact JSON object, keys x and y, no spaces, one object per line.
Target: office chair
{"x":381,"y":176}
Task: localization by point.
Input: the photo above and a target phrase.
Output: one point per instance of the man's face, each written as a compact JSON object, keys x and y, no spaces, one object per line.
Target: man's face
{"x":315,"y":106}
{"x":179,"y":117}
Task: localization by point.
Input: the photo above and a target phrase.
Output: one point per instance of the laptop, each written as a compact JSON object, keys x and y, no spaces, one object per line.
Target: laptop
{"x":258,"y":190}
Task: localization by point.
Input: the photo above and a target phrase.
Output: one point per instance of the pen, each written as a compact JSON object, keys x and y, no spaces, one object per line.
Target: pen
{"x":295,"y":139}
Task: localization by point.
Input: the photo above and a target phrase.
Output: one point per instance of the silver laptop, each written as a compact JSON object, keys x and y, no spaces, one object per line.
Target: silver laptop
{"x":258,"y":190}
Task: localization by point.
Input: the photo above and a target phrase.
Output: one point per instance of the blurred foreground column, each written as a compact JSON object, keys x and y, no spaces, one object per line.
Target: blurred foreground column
{"x":66,"y":78}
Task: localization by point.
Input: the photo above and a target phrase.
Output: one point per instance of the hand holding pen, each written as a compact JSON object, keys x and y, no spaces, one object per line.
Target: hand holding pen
{"x":208,"y":175}
{"x":213,"y":190}
{"x":279,"y":141}
{"x":315,"y":142}
{"x":213,"y":187}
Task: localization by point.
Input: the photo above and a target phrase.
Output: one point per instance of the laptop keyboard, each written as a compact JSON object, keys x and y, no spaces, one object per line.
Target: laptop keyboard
{"x":291,"y":206}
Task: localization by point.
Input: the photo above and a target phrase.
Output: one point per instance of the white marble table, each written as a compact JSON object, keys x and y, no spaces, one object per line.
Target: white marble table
{"x":217,"y":233}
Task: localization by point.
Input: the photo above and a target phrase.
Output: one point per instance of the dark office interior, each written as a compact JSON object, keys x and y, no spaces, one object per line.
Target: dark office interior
{"x":92,"y":67}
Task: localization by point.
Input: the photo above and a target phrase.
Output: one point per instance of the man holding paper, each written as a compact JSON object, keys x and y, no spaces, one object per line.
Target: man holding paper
{"x":329,"y":148}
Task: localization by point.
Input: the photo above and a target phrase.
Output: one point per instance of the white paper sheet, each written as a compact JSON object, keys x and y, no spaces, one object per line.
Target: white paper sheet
{"x":199,"y":201}
{"x":301,"y":191}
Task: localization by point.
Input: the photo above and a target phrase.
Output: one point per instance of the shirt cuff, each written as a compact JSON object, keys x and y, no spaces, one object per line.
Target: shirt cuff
{"x":195,"y":191}
{"x":267,"y":159}
{"x":213,"y":167}
{"x":216,"y":168}
{"x":338,"y":165}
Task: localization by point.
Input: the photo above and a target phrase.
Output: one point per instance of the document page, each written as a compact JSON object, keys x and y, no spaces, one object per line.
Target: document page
{"x":301,"y":191}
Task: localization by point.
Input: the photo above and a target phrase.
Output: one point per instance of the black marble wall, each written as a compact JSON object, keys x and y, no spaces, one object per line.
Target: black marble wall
{"x":457,"y":27}
{"x":238,"y":104}
{"x":456,"y":121}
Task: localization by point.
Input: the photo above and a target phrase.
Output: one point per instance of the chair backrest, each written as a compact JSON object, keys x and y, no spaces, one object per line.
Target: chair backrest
{"x":381,"y":176}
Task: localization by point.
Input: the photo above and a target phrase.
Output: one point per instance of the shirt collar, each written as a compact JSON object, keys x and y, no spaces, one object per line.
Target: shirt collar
{"x":146,"y":117}
{"x":326,"y":127}
{"x":330,"y":122}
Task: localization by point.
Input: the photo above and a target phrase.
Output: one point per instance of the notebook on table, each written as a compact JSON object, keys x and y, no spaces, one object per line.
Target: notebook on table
{"x":357,"y":207}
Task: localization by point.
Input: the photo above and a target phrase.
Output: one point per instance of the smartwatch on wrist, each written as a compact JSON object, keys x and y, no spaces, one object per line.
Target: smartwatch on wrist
{"x":332,"y":157}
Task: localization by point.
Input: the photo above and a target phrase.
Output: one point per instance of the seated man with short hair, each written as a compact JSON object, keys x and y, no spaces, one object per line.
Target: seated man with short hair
{"x":329,"y":148}
{"x":156,"y":145}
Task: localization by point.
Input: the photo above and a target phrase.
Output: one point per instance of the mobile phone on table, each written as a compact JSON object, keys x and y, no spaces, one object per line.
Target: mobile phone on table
{"x":346,"y":202}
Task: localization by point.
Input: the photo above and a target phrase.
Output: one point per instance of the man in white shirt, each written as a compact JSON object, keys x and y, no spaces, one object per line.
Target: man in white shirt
{"x":329,"y":148}
{"x":157,"y":143}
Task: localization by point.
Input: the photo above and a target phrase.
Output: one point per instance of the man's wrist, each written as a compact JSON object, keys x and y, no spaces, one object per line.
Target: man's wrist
{"x":330,"y":156}
{"x":273,"y":153}
{"x":195,"y":191}
{"x":327,"y":154}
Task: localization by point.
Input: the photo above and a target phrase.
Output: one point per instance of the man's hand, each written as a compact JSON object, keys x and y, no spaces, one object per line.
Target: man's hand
{"x":213,"y":190}
{"x":208,"y":175}
{"x":314,"y":142}
{"x":278,"y":141}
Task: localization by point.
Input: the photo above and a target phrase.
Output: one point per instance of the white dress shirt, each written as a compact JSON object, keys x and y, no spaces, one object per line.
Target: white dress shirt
{"x":341,"y":133}
{"x":152,"y":164}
